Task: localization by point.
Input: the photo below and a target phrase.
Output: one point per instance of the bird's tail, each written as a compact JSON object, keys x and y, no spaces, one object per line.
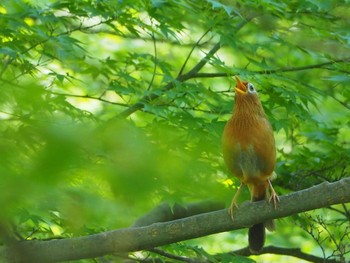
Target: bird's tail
{"x":256,"y":233}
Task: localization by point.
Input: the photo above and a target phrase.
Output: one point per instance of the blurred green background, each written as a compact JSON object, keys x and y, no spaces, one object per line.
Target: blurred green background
{"x":71,"y":165}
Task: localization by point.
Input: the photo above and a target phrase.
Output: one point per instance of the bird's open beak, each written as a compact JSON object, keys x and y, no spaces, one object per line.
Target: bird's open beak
{"x":240,"y":88}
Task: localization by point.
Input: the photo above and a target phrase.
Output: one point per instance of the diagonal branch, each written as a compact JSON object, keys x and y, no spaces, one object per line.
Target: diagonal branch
{"x":192,"y":49}
{"x":180,"y":78}
{"x":158,"y":234}
{"x":194,"y":73}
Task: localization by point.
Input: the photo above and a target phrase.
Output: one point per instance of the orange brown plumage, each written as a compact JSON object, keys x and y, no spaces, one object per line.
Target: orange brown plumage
{"x":249,"y":153}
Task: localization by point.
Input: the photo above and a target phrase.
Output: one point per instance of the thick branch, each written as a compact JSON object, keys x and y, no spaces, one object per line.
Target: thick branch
{"x":164,"y":212}
{"x":158,"y":234}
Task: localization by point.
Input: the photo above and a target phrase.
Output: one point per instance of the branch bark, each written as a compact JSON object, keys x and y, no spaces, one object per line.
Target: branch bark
{"x":158,"y":234}
{"x":164,"y":212}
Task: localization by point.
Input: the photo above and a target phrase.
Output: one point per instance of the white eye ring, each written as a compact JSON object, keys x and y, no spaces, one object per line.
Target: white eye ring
{"x":251,"y":88}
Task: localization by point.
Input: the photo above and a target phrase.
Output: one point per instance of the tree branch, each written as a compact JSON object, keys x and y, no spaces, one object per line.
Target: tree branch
{"x":87,"y":97}
{"x":80,"y":27}
{"x":164,"y":212}
{"x":278,"y":70}
{"x":158,"y":234}
{"x":194,"y":73}
{"x":293,"y":252}
{"x":180,"y":78}
{"x":171,"y":256}
{"x":314,"y":66}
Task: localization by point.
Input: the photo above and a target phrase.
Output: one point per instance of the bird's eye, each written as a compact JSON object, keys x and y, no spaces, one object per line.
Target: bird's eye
{"x":251,"y":88}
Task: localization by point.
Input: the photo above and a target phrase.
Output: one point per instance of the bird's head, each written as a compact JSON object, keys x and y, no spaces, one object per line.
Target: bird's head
{"x":244,"y":88}
{"x":247,"y":100}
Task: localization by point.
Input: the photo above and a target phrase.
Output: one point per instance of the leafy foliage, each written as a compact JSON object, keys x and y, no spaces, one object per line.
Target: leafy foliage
{"x":106,"y":110}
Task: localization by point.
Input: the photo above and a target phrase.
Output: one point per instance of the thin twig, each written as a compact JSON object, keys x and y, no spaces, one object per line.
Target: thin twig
{"x":314,"y":66}
{"x":182,"y":78}
{"x":80,"y":27}
{"x":172,"y":256}
{"x":191,"y":51}
{"x":88,"y":97}
{"x":294,"y":252}
{"x":155,"y":61}
{"x":273,"y":71}
{"x":194,"y":73}
{"x":341,"y":102}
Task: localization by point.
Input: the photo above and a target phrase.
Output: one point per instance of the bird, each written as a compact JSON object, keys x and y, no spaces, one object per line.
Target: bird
{"x":249,"y":152}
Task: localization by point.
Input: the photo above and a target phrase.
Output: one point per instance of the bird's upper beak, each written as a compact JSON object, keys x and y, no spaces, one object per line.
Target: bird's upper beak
{"x":240,"y":87}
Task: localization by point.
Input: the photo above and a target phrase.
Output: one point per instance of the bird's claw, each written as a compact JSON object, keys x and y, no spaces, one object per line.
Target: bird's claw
{"x":234,"y":205}
{"x":232,"y":209}
{"x":274,"y":199}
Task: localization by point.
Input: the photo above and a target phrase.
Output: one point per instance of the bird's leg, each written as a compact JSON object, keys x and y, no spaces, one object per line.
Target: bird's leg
{"x":233,"y":205}
{"x":274,"y":197}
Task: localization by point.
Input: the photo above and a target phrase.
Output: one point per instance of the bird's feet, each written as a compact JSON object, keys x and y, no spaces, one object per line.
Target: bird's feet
{"x":232,"y":208}
{"x":274,"y":197}
{"x":234,"y":205}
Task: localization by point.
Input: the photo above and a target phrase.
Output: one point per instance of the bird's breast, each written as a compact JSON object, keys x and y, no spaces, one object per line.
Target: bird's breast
{"x":249,"y":152}
{"x":243,"y":162}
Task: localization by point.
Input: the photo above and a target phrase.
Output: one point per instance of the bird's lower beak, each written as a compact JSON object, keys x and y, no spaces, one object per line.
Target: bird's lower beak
{"x":240,"y":88}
